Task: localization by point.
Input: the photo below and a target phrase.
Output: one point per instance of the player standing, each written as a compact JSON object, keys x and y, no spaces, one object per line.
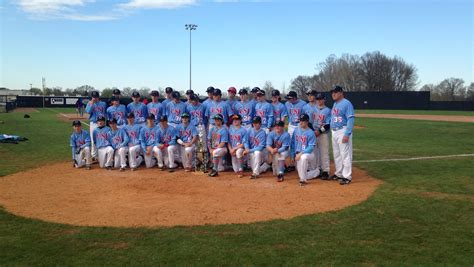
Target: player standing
{"x":302,"y":146}
{"x":166,"y":149}
{"x":245,"y":108}
{"x":119,"y":141}
{"x":101,"y":137}
{"x":117,"y":111}
{"x":342,"y":123}
{"x":257,"y":152}
{"x":264,"y":110}
{"x":95,"y":108}
{"x":175,"y":109}
{"x":217,"y":139}
{"x":278,"y":145}
{"x":81,"y":146}
{"x":138,"y":109}
{"x":322,"y":135}
{"x":311,"y":108}
{"x":148,"y":140}
{"x":279,"y":110}
{"x":168,"y":98}
{"x":218,"y":107}
{"x":155,"y":107}
{"x":238,"y":143}
{"x":295,"y":107}
{"x":196,"y":110}
{"x":231,"y":99}
{"x":134,"y":147}
{"x":187,"y":138}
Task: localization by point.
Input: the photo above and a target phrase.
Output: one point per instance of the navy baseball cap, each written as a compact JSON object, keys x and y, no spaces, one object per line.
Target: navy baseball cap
{"x":114,"y":98}
{"x":255,"y":90}
{"x":131,"y":115}
{"x":311,"y":92}
{"x":210,"y":89}
{"x":194,"y":97}
{"x":304,"y":117}
{"x":189,"y":92}
{"x":236,"y":117}
{"x":101,"y":118}
{"x":116,"y":92}
{"x":218,"y":117}
{"x":168,"y":90}
{"x":76,"y":123}
{"x":164,"y":118}
{"x":94,"y":94}
{"x":257,"y":120}
{"x":320,"y":96}
{"x":337,"y":88}
{"x":154,"y":93}
{"x":135,"y":94}
{"x":114,"y":121}
{"x":243,"y":92}
{"x":217,"y":91}
{"x":291,"y":94}
{"x":275,"y":93}
{"x":261,"y":93}
{"x":280,"y":124}
{"x":185,"y":115}
{"x":175,"y":94}
{"x":150,"y":117}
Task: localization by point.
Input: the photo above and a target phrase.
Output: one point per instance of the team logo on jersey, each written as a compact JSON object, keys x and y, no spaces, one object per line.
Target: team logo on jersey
{"x":176,"y":111}
{"x":216,"y":138}
{"x":295,"y":111}
{"x":138,"y":113}
{"x":186,"y":133}
{"x":255,"y":141}
{"x":335,"y":111}
{"x":302,"y":139}
{"x":235,"y":138}
{"x":102,"y":136}
{"x":216,"y":110}
{"x":260,"y":113}
{"x":153,"y":111}
{"x":150,"y":135}
{"x":117,"y":139}
{"x":244,"y":111}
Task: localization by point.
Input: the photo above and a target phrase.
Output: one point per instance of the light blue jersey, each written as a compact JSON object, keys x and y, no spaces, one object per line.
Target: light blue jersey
{"x":294,"y":111}
{"x":232,"y":103}
{"x":238,"y":136}
{"x":197,"y":113}
{"x":279,"y":112}
{"x":257,"y":139}
{"x":167,"y":135}
{"x":217,"y":136}
{"x":139,"y":110}
{"x":302,"y":141}
{"x":117,"y":112}
{"x":118,"y":138}
{"x":324,"y":116}
{"x":174,"y":111}
{"x":96,"y":110}
{"x":312,"y":111}
{"x":79,"y":141}
{"x":166,"y":101}
{"x":246,"y":110}
{"x":133,"y":133}
{"x":156,"y":109}
{"x":148,"y":136}
{"x":101,"y":137}
{"x":206,"y":103}
{"x":342,"y":114}
{"x":280,"y":141}
{"x":220,"y":107}
{"x":264,"y":110}
{"x":186,"y":133}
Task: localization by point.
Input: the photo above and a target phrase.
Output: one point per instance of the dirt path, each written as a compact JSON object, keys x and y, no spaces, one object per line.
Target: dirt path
{"x":420,"y":117}
{"x":59,"y":193}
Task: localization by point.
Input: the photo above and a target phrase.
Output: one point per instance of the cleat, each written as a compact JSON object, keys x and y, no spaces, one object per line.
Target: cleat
{"x":325,"y":176}
{"x":240,"y":174}
{"x":133,"y":169}
{"x":344,"y":181}
{"x":122,"y":169}
{"x":162,"y":168}
{"x":213,"y":173}
{"x":88,"y":167}
{"x":254,"y":176}
{"x":303,"y":183}
{"x":108,"y":168}
{"x":334,"y":177}
{"x":280,"y":177}
{"x":172,"y":169}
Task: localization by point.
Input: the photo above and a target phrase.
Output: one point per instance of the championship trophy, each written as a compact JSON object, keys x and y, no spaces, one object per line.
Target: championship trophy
{"x":201,"y":159}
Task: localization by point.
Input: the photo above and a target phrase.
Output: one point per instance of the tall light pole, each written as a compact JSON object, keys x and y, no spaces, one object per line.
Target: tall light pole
{"x":190,"y":28}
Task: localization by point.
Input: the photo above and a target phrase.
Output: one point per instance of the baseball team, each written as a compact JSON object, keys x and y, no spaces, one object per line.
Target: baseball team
{"x":239,"y":134}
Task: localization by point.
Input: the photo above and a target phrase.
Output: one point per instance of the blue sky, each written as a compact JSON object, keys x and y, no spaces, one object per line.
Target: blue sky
{"x":238,"y":43}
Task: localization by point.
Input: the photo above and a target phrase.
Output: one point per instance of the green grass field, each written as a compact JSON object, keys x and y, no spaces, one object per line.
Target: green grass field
{"x":423,"y":213}
{"x":415,"y":112}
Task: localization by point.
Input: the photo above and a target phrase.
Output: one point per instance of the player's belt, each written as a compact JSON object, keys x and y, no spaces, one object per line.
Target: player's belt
{"x":337,"y":128}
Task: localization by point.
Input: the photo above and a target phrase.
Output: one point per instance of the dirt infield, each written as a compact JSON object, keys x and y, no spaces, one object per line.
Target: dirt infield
{"x":420,"y":117}
{"x":59,"y":193}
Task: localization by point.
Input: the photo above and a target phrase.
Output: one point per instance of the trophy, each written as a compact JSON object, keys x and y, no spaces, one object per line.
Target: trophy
{"x":201,"y":159}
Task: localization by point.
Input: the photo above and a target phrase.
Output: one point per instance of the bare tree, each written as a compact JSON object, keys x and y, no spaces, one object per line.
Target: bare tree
{"x":451,"y":88}
{"x":470,"y":92}
{"x":301,"y":84}
{"x":268,"y":88}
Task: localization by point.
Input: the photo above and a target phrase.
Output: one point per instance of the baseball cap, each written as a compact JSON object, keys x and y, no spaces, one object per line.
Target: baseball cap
{"x":185,"y":115}
{"x":114,"y":98}
{"x":76,"y":123}
{"x":311,"y":92}
{"x":217,"y":91}
{"x":291,"y":94}
{"x":94,"y":94}
{"x":189,"y":92}
{"x":275,"y":93}
{"x":210,"y":89}
{"x":116,"y":92}
{"x":218,"y":117}
{"x":154,"y":93}
{"x":232,"y":90}
{"x":150,"y":117}
{"x":255,"y":89}
{"x":337,"y":88}
{"x":114,"y":121}
{"x":135,"y":94}
{"x":101,"y":118}
{"x":164,"y":118}
{"x":175,"y":94}
{"x":280,"y":124}
{"x":168,"y":90}
{"x":243,"y":92}
{"x":257,"y":119}
{"x":261,"y":93}
{"x":236,"y":117}
{"x":304,"y":117}
{"x":320,"y":96}
{"x":131,"y":115}
{"x":194,"y":97}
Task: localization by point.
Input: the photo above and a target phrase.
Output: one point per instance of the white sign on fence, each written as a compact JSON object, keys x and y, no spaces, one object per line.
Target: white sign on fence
{"x":57,"y":101}
{"x":71,"y":101}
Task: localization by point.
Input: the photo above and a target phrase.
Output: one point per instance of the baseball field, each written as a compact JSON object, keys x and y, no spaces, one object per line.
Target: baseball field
{"x":411,"y":203}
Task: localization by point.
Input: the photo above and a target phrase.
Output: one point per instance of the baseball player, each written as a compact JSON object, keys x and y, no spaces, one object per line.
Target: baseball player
{"x":196,"y":110}
{"x":119,"y":141}
{"x":217,"y":139}
{"x":134,"y":146}
{"x":342,"y":123}
{"x":138,"y":109}
{"x":155,"y":107}
{"x":81,"y":146}
{"x":311,"y":108}
{"x":187,"y":138}
{"x":101,"y":137}
{"x":322,"y":126}
{"x":210,"y":97}
{"x":175,"y":109}
{"x":95,"y":108}
{"x":302,"y":145}
{"x":245,"y":108}
{"x":117,"y":111}
{"x":295,"y":107}
{"x":254,"y":92}
{"x":279,"y":109}
{"x":166,"y":149}
{"x":231,"y":99}
{"x":116,"y":93}
{"x":257,"y":141}
{"x":148,"y":139}
{"x":278,"y":145}
{"x":238,"y":143}
{"x":218,"y":107}
{"x":169,"y":98}
{"x":264,"y":110}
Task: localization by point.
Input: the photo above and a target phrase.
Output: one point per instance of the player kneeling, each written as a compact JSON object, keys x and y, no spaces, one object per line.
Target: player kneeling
{"x":238,"y":143}
{"x":166,"y":148}
{"x":134,"y":148}
{"x":81,"y":146}
{"x":302,"y":145}
{"x":217,"y":138}
{"x":257,"y":140}
{"x":278,"y":144}
{"x":187,"y":137}
{"x":119,"y":141}
{"x":101,"y":137}
{"x":148,"y":140}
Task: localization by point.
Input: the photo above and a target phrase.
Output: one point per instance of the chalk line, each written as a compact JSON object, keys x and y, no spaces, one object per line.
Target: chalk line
{"x":415,"y":158}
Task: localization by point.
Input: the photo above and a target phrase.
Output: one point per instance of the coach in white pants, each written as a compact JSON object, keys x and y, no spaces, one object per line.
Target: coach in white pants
{"x":95,"y":108}
{"x":342,"y":123}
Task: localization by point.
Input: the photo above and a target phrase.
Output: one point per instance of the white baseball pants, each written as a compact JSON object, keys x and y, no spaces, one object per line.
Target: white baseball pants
{"x":105,"y":156}
{"x":150,"y":160}
{"x":237,"y":160}
{"x":291,"y":129}
{"x":120,"y":158}
{"x":92,"y":127}
{"x":219,"y":153}
{"x":302,"y":166}
{"x":275,"y":161}
{"x":257,"y":162}
{"x":323,"y":152}
{"x":342,"y":154}
{"x":187,"y":156}
{"x":83,"y":158}
{"x":166,"y":156}
{"x":134,"y":157}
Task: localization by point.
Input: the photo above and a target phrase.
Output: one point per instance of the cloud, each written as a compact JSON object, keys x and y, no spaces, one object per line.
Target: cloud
{"x":156,"y":4}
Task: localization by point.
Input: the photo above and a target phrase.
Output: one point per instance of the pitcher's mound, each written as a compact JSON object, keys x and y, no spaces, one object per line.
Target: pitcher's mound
{"x":150,"y":197}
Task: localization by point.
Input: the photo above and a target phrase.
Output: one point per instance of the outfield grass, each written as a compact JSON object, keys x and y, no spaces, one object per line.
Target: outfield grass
{"x":423,"y":214}
{"x":415,"y":112}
